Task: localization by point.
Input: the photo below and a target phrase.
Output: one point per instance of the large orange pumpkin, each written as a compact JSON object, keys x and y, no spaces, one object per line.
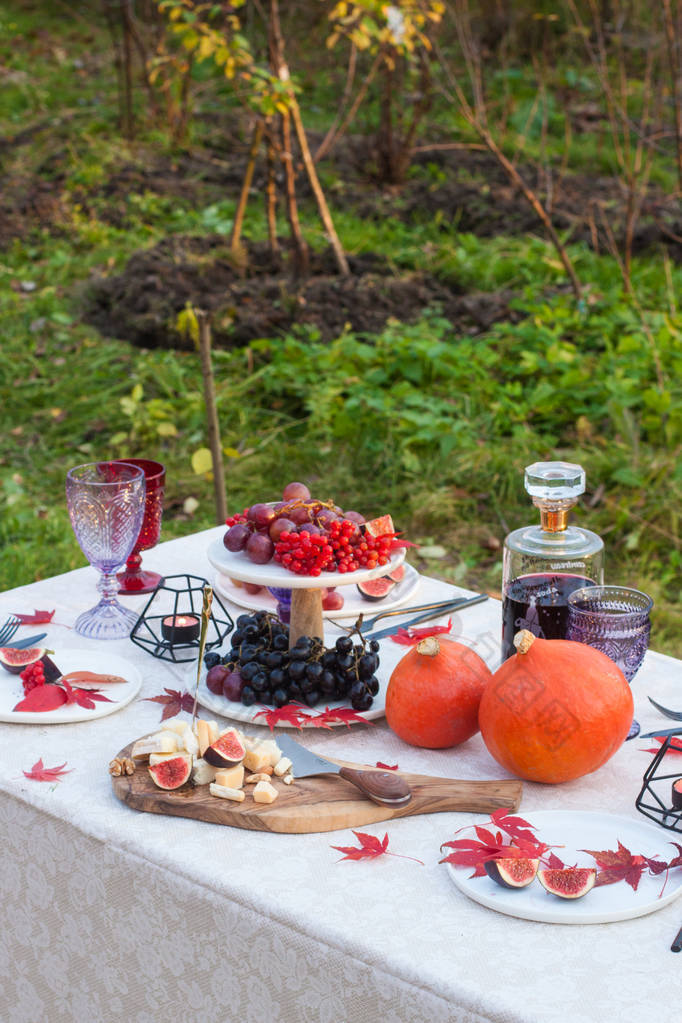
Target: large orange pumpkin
{"x":556,"y":710}
{"x":434,"y":692}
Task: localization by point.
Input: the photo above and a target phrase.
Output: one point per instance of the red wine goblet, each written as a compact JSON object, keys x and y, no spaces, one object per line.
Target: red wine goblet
{"x":135,"y":579}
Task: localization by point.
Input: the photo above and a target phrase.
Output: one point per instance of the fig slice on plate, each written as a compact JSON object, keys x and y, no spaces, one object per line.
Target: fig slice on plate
{"x":512,"y":872}
{"x":569,"y":882}
{"x":15,"y":661}
{"x":376,"y":589}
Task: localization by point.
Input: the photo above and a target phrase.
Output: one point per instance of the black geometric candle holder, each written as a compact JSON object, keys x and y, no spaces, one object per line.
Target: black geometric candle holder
{"x":179,"y":596}
{"x":656,"y":799}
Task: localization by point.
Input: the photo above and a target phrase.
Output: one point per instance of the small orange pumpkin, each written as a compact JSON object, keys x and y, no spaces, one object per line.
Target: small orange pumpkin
{"x":434,"y":692}
{"x":556,"y":710}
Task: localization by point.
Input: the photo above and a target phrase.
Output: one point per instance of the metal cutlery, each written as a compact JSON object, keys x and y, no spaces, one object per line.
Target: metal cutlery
{"x":8,"y":629}
{"x":392,"y":629}
{"x":24,"y":644}
{"x":444,"y":605}
{"x":381,"y":787}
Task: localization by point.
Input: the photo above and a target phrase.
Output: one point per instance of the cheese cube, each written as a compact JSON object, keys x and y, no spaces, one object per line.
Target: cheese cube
{"x":256,"y":759}
{"x":177,"y":725}
{"x":231,"y":777}
{"x":203,"y":736}
{"x":264,"y":792}
{"x":282,"y":766}
{"x":203,"y":773}
{"x":237,"y":795}
{"x":189,"y":741}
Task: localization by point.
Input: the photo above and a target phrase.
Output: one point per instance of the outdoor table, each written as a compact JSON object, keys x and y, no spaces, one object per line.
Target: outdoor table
{"x":111,"y":914}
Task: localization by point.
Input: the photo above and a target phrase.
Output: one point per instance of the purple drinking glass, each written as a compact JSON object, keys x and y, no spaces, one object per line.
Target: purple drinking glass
{"x":615,"y":620}
{"x":106,"y":508}
{"x":135,"y":579}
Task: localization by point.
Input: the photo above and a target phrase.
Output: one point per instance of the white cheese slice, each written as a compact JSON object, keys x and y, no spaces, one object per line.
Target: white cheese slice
{"x":203,"y":773}
{"x":237,"y":795}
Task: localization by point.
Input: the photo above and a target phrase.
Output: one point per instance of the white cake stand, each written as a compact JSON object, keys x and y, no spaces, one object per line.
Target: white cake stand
{"x":306,"y":590}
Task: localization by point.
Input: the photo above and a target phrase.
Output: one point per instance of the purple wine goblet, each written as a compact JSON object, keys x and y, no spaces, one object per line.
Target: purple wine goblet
{"x":615,"y":620}
{"x":106,"y":507}
{"x":135,"y":579}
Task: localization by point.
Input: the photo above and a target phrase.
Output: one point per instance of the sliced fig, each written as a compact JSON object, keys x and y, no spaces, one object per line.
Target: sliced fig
{"x":569,"y":882}
{"x":15,"y":661}
{"x":512,"y":872}
{"x":379,"y":527}
{"x":376,"y":589}
{"x":172,"y":773}
{"x":227,"y":751}
{"x":398,"y":573}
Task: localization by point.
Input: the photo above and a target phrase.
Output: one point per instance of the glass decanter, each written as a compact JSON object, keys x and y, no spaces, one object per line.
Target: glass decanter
{"x":543,"y":564}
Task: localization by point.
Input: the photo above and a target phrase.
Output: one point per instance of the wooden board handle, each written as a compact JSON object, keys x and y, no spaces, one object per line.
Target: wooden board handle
{"x":381,"y":787}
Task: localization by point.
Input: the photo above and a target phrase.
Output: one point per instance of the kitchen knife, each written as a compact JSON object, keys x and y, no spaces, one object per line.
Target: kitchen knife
{"x":382,"y":787}
{"x":392,"y":629}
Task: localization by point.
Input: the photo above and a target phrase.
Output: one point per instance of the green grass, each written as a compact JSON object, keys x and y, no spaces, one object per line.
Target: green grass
{"x":419,"y":420}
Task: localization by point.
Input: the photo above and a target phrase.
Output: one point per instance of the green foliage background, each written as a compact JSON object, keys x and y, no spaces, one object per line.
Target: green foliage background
{"x":436,"y":425}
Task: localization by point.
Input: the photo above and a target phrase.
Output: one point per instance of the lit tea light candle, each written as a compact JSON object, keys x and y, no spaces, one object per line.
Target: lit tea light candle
{"x":677,"y":794}
{"x":180,"y":628}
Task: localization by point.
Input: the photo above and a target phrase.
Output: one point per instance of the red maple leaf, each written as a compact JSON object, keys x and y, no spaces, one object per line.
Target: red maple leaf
{"x":84,"y":697}
{"x":173,"y":702}
{"x":387,"y":767}
{"x":41,"y":773}
{"x":37,"y":618}
{"x":344,"y":715}
{"x":290,"y":714}
{"x":520,"y":843}
{"x":674,"y":747}
{"x":408,"y":637}
{"x":43,"y":698}
{"x":369,"y":849}
{"x":617,"y":865}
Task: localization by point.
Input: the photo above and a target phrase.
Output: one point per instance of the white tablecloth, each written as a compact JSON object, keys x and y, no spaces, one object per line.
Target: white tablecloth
{"x":114,"y":914}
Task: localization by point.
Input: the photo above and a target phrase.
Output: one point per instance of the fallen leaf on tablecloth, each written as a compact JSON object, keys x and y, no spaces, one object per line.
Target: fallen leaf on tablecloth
{"x":292,"y":714}
{"x":84,"y":697}
{"x":173,"y":702}
{"x":41,"y":773}
{"x":520,"y":843}
{"x":369,"y":849}
{"x":343,"y":715}
{"x":387,"y":767}
{"x":674,"y":747}
{"x":43,"y":698}
{"x":37,"y":618}
{"x":408,"y":637}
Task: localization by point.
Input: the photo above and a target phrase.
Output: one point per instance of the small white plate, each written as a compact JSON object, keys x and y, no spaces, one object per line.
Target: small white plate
{"x":354,"y":604}
{"x":574,"y":830}
{"x":120,"y":693}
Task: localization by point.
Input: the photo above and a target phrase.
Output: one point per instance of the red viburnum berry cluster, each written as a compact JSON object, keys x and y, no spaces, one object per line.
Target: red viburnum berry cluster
{"x":32,"y":676}
{"x":343,"y":548}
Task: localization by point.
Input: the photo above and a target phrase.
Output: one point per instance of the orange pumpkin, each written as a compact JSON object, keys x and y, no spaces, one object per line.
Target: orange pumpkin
{"x":556,"y":710}
{"x":434,"y":692}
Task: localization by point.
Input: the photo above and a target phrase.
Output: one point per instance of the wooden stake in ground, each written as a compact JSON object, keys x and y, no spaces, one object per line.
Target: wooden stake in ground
{"x":212,"y":415}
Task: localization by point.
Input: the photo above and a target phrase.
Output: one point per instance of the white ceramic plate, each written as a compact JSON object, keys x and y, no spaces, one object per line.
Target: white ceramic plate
{"x":574,"y":830}
{"x":354,"y":603}
{"x":11,"y":689}
{"x":238,"y":566}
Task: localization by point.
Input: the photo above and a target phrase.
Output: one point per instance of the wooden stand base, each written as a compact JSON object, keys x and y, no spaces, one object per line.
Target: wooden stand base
{"x":306,"y":614}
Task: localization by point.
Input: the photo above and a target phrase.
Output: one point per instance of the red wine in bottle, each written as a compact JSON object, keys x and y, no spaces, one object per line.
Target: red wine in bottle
{"x":539,"y":603}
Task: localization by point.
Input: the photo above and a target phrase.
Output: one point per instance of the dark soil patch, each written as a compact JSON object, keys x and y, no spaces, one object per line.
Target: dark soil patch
{"x":142,"y":303}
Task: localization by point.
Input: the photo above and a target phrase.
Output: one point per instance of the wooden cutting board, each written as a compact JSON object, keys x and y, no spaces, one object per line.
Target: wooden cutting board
{"x":325,"y":803}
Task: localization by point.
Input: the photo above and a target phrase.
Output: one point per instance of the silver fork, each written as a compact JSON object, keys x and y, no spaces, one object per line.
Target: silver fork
{"x":8,"y":629}
{"x":444,"y":605}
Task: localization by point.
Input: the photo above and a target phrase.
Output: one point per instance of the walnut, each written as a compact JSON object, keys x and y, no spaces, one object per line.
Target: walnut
{"x":121,"y":765}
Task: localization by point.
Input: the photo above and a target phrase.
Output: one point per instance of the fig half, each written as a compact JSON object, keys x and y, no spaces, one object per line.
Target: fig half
{"x":568,"y":883}
{"x":512,"y":872}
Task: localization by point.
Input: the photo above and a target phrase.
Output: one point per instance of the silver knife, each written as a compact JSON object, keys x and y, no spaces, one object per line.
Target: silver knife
{"x":392,"y":629}
{"x":382,"y":787}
